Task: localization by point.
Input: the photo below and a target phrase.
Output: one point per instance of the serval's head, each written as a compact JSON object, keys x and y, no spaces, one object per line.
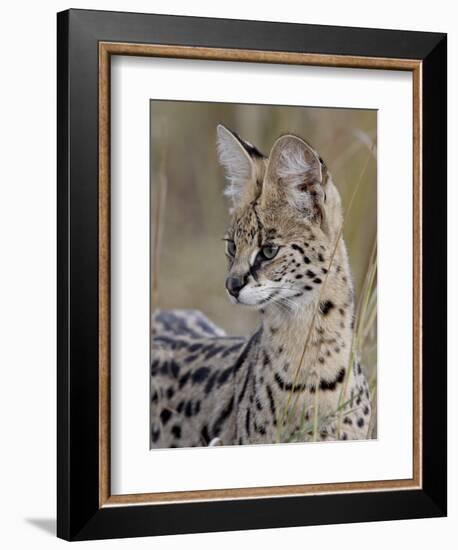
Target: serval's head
{"x":285,"y":220}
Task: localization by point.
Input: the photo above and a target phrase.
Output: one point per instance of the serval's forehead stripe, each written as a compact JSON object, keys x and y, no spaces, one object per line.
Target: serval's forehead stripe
{"x":249,"y":228}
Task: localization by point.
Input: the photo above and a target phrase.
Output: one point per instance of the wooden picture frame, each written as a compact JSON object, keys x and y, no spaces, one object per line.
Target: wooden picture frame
{"x":87,"y":40}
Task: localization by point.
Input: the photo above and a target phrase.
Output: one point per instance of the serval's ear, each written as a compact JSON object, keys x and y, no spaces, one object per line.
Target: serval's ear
{"x":295,"y":175}
{"x":242,"y":163}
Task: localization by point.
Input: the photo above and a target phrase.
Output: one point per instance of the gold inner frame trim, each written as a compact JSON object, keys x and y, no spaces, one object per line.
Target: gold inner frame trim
{"x":106,"y":50}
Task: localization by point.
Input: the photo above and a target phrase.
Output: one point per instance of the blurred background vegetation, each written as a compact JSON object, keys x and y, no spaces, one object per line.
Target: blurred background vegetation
{"x":189,"y":266}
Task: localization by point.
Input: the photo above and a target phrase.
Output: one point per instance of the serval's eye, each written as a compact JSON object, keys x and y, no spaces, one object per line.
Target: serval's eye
{"x":268,"y":252}
{"x":230,"y":248}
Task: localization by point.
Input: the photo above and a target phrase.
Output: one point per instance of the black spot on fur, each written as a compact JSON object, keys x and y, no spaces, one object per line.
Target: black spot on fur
{"x":165,"y":416}
{"x":174,"y":368}
{"x":155,"y":433}
{"x":165,"y":368}
{"x":213,"y":352}
{"x":266,"y":359}
{"x":232,"y":349}
{"x":223,"y":377}
{"x":307,"y":287}
{"x":245,"y":384}
{"x":176,"y":431}
{"x":326,"y":307}
{"x":183,"y":379}
{"x":247,"y":422}
{"x":241,"y":359}
{"x":298,"y":248}
{"x":310,"y":273}
{"x":170,"y":393}
{"x":271,"y":403}
{"x":200,"y":375}
{"x":317,"y":281}
{"x":205,"y":435}
{"x":320,"y":257}
{"x":360,"y":422}
{"x":211,"y":382}
{"x":259,"y":429}
{"x":223,"y":416}
{"x":188,"y":410}
{"x":195,"y":347}
{"x":306,"y":260}
{"x":155,"y":367}
{"x":348,"y":421}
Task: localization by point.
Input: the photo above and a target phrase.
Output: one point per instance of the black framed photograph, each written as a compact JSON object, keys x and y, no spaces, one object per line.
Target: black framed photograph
{"x":249,"y":334}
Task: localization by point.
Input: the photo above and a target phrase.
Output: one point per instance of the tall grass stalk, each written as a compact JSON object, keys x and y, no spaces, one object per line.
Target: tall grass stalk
{"x":365,"y":319}
{"x":157,"y":221}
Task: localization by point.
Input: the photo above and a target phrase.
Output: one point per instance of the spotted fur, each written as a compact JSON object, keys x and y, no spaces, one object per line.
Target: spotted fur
{"x":287,"y":259}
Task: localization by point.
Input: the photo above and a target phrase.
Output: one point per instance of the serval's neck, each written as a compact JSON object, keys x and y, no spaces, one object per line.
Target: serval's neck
{"x":313,"y":343}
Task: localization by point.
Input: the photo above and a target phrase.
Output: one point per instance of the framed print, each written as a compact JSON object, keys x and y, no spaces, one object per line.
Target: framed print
{"x":252,"y":269}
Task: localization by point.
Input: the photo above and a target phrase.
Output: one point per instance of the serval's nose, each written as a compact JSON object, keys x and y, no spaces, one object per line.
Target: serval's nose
{"x":235,"y":283}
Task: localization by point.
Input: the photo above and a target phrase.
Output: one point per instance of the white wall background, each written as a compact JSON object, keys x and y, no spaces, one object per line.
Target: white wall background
{"x":27,"y":273}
